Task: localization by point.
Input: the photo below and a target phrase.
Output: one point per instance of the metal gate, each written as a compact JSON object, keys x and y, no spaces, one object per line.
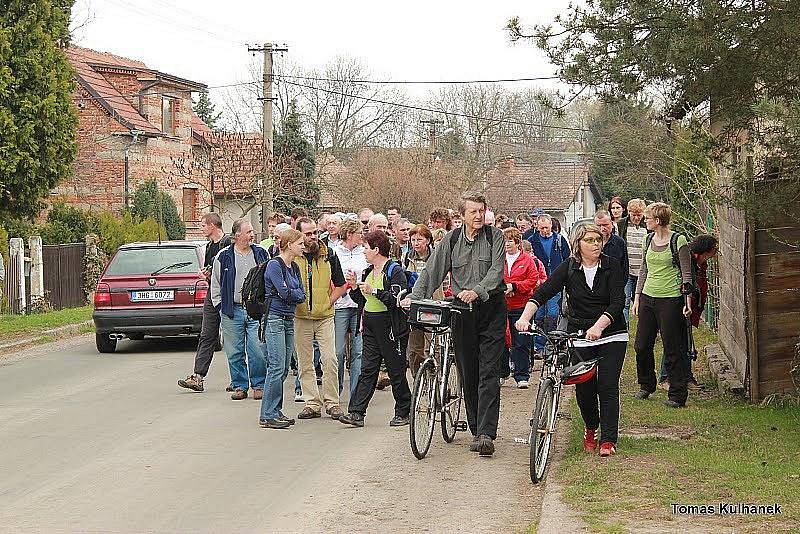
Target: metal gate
{"x":63,"y":275}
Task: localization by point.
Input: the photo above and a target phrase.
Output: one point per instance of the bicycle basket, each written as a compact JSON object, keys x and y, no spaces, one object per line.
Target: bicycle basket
{"x":429,"y":314}
{"x":579,"y":373}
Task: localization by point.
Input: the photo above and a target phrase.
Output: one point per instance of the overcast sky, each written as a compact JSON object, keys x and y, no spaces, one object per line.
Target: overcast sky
{"x":205,"y":40}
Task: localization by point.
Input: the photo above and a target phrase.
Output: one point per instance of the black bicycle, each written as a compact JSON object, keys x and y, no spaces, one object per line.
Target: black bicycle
{"x":437,"y":390}
{"x":557,"y":371}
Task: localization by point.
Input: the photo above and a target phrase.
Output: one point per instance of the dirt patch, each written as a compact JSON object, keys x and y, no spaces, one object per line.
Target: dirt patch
{"x":675,"y":433}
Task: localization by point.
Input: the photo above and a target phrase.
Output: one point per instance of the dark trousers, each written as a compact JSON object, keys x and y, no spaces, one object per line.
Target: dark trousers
{"x":480,"y":343}
{"x":664,"y":315}
{"x":519,"y":355}
{"x":209,"y":337}
{"x":598,"y":399}
{"x":379,"y":348}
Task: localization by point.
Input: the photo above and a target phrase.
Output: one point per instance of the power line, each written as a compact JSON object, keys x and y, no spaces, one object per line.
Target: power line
{"x":431,"y":110}
{"x":415,"y":82}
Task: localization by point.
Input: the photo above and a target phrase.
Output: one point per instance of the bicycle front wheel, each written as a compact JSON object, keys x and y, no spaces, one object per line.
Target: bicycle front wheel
{"x":451,"y":400}
{"x":423,"y":409}
{"x":542,"y":428}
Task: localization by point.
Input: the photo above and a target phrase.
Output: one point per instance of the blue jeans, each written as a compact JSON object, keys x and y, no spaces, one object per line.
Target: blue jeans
{"x":241,"y":337}
{"x":547,"y":316}
{"x":346,"y":319}
{"x":520,"y":349}
{"x":279,"y":334}
{"x":630,"y":288}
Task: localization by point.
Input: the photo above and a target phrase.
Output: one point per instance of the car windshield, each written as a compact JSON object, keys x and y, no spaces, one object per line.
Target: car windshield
{"x":148,"y":260}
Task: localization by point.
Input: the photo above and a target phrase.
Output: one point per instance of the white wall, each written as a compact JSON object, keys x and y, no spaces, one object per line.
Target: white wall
{"x":230,"y":210}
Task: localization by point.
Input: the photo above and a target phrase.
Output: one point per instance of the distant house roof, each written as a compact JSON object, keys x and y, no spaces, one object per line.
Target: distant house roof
{"x":517,"y":185}
{"x":89,"y":66}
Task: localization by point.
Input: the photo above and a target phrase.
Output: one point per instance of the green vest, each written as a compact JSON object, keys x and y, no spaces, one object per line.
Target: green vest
{"x":318,"y":296}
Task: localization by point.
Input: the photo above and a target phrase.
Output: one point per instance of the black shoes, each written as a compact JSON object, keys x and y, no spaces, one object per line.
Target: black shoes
{"x":485,"y":445}
{"x":642,"y":394}
{"x":398,"y":421}
{"x":473,"y":446}
{"x":354,"y":419}
{"x":273,"y":423}
{"x":674,"y":404}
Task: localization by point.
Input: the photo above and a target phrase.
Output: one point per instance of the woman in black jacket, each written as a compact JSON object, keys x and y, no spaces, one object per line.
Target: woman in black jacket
{"x":385,"y":331}
{"x":595,"y":286}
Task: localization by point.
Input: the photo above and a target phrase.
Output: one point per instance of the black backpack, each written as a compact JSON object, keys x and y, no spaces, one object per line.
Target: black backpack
{"x":253,"y":291}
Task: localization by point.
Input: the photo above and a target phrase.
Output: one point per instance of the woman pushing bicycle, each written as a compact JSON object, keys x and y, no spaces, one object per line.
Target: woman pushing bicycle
{"x":595,"y":288}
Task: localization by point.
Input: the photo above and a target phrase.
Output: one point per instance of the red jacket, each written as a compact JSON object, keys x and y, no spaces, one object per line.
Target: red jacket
{"x":526,"y":276}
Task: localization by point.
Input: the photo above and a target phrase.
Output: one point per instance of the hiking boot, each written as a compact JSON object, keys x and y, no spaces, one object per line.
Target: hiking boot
{"x":589,"y":440}
{"x":669,"y":403}
{"x":258,"y":394}
{"x":193,"y":382}
{"x":522,"y":384}
{"x":398,"y":420}
{"x":607,"y":449}
{"x":273,"y":423}
{"x":383,"y":380}
{"x":485,"y":445}
{"x":473,"y":446}
{"x":287,"y":419}
{"x":642,"y":394}
{"x":308,"y":413}
{"x":335,"y":412}
{"x":354,"y":419}
{"x":239,"y":394}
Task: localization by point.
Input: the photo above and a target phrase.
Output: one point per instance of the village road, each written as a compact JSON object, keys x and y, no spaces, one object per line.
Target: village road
{"x":109,"y":443}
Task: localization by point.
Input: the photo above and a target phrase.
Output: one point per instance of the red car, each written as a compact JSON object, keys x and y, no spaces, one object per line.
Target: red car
{"x":150,"y":289}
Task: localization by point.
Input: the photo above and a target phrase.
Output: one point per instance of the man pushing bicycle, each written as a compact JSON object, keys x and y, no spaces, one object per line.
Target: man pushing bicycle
{"x":474,"y":255}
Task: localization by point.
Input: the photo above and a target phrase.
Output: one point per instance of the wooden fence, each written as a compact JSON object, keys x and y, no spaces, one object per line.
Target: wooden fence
{"x":63,"y":274}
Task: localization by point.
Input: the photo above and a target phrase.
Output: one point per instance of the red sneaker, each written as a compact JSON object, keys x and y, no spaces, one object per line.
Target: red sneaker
{"x":589,"y":440}
{"x":607,"y":449}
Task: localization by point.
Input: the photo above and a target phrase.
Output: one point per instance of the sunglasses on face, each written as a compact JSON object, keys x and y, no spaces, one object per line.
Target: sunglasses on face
{"x":592,"y":240}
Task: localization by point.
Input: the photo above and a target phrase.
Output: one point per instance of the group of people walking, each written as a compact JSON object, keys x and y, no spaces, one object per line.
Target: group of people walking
{"x":333,"y":302}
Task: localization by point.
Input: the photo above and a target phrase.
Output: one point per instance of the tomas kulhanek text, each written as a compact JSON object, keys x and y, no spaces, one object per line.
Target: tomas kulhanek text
{"x":726,"y":508}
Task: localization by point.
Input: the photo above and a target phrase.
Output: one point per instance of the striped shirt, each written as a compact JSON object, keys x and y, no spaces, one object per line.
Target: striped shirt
{"x":635,"y":242}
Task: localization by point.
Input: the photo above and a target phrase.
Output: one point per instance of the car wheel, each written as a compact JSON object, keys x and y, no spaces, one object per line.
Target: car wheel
{"x":136,"y":337}
{"x":104,"y":343}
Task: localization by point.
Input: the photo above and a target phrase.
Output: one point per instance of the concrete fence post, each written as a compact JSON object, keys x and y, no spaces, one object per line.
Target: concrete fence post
{"x":16,"y":253}
{"x":37,"y":268}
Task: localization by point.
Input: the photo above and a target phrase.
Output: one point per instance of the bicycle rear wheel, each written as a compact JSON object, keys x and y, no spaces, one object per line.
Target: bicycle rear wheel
{"x":542,"y":428}
{"x":451,"y":401}
{"x":423,"y":409}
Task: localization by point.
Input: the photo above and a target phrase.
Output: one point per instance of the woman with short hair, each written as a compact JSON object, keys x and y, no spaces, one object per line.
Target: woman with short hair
{"x":385,"y":331}
{"x":595,"y":287}
{"x":662,"y":303}
{"x":421,"y":248}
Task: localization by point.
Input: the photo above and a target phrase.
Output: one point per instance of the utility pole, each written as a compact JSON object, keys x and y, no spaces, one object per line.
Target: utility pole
{"x":267,"y":194}
{"x":432,"y":124}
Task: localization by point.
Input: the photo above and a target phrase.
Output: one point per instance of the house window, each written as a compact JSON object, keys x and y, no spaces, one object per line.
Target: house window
{"x":190,"y":201}
{"x":168,"y":116}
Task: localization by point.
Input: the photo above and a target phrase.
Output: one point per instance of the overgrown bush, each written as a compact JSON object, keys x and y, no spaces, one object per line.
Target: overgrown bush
{"x":3,"y":244}
{"x":116,"y":231}
{"x":68,"y":224}
{"x":146,"y":202}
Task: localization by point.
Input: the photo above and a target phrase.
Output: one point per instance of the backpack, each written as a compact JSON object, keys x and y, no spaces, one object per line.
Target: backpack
{"x":411,"y":277}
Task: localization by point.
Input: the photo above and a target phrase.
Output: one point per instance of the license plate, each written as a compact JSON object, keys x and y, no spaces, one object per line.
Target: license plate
{"x":152,"y":296}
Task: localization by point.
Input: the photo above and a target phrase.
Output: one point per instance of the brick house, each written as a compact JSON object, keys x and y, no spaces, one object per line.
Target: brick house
{"x":134,"y":122}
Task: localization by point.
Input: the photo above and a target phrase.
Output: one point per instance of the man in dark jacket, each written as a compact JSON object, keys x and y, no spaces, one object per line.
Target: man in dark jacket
{"x":551,"y":248}
{"x":475,"y":256}
{"x":613,"y":245}
{"x":211,"y":224}
{"x":241,"y":331}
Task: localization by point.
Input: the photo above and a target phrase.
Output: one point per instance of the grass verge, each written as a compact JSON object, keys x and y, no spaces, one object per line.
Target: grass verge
{"x":14,"y":326}
{"x":719,"y":449}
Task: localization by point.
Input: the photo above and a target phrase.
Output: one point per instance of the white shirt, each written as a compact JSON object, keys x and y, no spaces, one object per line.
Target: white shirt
{"x":589,"y":273}
{"x":351,"y":260}
{"x":511,"y":258}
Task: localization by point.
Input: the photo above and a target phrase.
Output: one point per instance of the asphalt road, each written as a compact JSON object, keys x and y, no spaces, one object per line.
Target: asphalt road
{"x":109,"y":443}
